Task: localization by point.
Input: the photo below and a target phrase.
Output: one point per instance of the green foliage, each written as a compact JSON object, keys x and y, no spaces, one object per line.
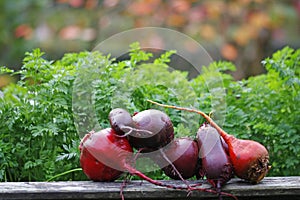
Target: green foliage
{"x":210,"y":89}
{"x":165,"y":58}
{"x":284,"y":66}
{"x":44,"y":114}
{"x":4,"y":70}
{"x":136,"y":55}
{"x":266,"y":108}
{"x":37,"y":122}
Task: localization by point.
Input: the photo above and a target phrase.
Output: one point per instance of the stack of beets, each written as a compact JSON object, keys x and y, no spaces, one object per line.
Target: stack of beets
{"x":214,"y":154}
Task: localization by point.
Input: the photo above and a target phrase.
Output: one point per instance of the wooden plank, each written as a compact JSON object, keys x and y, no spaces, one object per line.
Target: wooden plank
{"x":269,"y":188}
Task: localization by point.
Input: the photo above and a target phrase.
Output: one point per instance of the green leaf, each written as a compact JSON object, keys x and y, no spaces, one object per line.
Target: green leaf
{"x":39,"y":126}
{"x":5,"y":70}
{"x":137,"y":55}
{"x":164,"y":58}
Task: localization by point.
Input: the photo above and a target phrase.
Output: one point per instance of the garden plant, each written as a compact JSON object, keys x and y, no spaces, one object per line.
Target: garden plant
{"x":40,"y":134}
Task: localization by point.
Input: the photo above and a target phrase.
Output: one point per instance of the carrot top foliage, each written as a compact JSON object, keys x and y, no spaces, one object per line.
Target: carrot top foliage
{"x":39,"y":138}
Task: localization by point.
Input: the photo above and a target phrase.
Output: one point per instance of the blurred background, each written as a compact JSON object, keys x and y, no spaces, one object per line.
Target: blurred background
{"x":241,"y":31}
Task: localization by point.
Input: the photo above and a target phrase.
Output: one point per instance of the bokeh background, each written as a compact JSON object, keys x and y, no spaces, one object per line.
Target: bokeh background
{"x":241,"y":31}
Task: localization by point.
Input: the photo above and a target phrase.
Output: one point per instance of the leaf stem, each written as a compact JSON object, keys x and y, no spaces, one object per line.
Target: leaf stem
{"x":64,"y":173}
{"x":205,"y":116}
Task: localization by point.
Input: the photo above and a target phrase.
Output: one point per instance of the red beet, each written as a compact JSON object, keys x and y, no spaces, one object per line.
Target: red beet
{"x":97,"y":149}
{"x":216,"y":165}
{"x":95,"y":170}
{"x":249,"y":158}
{"x":155,"y":130}
{"x":121,"y":121}
{"x":112,"y":152}
{"x":115,"y":152}
{"x":183,"y":153}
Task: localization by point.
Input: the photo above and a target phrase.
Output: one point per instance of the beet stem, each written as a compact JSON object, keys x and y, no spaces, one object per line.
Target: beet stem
{"x":134,"y":129}
{"x":136,"y":172}
{"x":125,"y":181}
{"x":137,"y":154}
{"x":219,"y":190}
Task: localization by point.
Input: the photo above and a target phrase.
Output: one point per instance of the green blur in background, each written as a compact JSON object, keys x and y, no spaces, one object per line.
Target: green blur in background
{"x":243,"y":32}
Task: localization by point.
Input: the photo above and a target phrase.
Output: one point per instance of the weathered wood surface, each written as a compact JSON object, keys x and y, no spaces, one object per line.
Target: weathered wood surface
{"x":269,"y":188}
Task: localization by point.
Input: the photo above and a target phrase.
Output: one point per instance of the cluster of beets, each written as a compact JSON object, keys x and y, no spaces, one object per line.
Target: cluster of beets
{"x":213,"y":154}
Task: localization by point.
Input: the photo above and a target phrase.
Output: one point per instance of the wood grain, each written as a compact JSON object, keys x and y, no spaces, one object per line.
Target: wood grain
{"x":270,"y":188}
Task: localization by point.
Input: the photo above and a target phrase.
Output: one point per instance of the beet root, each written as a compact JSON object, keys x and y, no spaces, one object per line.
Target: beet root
{"x":93,"y":169}
{"x":183,"y":153}
{"x":216,"y":165}
{"x":155,"y":130}
{"x":104,"y":150}
{"x":249,"y":158}
{"x":97,"y":150}
{"x":114,"y":152}
{"x":121,"y":121}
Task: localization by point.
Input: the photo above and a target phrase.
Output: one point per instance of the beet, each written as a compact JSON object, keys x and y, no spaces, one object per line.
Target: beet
{"x":180,"y":152}
{"x":114,"y":152}
{"x":155,"y":130}
{"x":106,"y":148}
{"x":105,"y":151}
{"x":216,"y":165}
{"x":249,"y":158}
{"x":121,"y":121}
{"x":95,"y":170}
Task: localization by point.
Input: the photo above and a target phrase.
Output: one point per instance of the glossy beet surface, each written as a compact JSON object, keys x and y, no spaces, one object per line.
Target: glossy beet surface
{"x":250,"y":159}
{"x":183,"y":153}
{"x":121,"y":121}
{"x":103,"y":155}
{"x":155,"y":130}
{"x":216,"y":165}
